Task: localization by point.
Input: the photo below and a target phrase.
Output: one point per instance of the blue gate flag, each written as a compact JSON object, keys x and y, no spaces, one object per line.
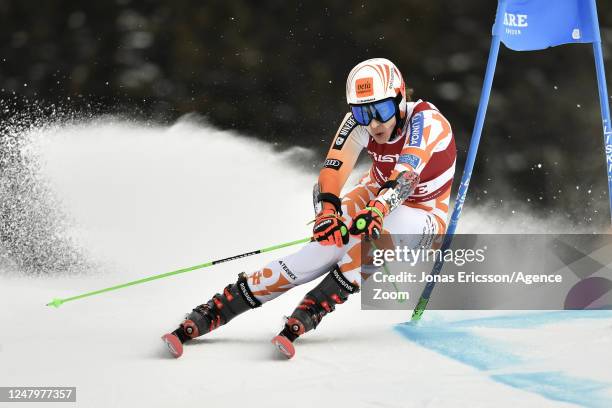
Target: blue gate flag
{"x":525,"y":25}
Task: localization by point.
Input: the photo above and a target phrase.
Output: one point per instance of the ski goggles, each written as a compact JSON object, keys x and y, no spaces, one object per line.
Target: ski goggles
{"x":382,"y":111}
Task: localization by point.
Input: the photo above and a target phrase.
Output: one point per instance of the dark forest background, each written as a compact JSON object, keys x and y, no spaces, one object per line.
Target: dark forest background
{"x":275,"y":70}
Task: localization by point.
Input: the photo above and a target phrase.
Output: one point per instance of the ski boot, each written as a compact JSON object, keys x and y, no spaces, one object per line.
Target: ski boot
{"x":333,"y":290}
{"x":236,"y":299}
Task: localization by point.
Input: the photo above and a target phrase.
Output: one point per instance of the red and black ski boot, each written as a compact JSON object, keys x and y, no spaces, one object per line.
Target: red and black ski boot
{"x":236,"y":299}
{"x":333,"y":290}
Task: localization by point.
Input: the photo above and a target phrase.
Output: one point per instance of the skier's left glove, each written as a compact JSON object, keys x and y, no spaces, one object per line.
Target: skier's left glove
{"x":369,"y":221}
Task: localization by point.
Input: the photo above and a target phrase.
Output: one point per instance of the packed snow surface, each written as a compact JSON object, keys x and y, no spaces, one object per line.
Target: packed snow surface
{"x":141,"y":200}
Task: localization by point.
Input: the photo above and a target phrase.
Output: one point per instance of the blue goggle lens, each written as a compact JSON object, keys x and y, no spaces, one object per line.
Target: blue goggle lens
{"x":381,"y":111}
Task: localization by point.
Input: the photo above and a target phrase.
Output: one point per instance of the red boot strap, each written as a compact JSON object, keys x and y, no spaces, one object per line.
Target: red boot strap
{"x":218,"y":303}
{"x":228,"y":295}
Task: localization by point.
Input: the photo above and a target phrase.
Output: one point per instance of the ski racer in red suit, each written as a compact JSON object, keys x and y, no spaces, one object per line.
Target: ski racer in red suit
{"x":406,"y":191}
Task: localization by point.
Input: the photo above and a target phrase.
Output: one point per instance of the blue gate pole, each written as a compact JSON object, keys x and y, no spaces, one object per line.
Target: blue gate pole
{"x":603,"y":98}
{"x":469,"y":163}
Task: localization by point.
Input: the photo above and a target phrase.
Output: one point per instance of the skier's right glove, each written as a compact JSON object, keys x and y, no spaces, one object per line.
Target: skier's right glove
{"x":369,"y":221}
{"x":329,"y":229}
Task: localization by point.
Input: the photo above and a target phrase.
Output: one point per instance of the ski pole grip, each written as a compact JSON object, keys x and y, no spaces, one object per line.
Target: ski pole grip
{"x":361,"y":224}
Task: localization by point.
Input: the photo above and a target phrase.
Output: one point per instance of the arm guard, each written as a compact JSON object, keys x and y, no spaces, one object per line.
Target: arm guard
{"x":316,"y":204}
{"x":398,"y":190}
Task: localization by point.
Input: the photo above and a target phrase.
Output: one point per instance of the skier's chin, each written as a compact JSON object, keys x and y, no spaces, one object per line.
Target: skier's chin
{"x":381,"y":137}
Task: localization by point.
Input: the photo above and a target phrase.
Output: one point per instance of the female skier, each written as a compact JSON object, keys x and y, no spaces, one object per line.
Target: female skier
{"x":406,"y":191}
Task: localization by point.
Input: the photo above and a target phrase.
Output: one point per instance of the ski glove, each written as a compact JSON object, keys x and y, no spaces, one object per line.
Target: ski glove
{"x":329,"y":229}
{"x":369,"y":221}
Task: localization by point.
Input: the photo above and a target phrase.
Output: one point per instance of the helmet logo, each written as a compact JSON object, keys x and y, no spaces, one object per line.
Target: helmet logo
{"x":364,"y":87}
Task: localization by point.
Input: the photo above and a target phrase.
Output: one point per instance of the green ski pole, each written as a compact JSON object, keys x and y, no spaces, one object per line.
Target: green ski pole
{"x":57,"y":302}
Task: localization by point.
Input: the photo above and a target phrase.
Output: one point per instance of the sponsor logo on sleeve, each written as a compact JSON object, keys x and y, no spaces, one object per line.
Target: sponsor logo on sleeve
{"x":333,"y":164}
{"x":345,"y":131}
{"x":416,"y":130}
{"x":364,"y":87}
{"x":410,"y":159}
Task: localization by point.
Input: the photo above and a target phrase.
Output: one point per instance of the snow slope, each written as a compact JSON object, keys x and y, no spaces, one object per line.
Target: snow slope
{"x":146,"y":200}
